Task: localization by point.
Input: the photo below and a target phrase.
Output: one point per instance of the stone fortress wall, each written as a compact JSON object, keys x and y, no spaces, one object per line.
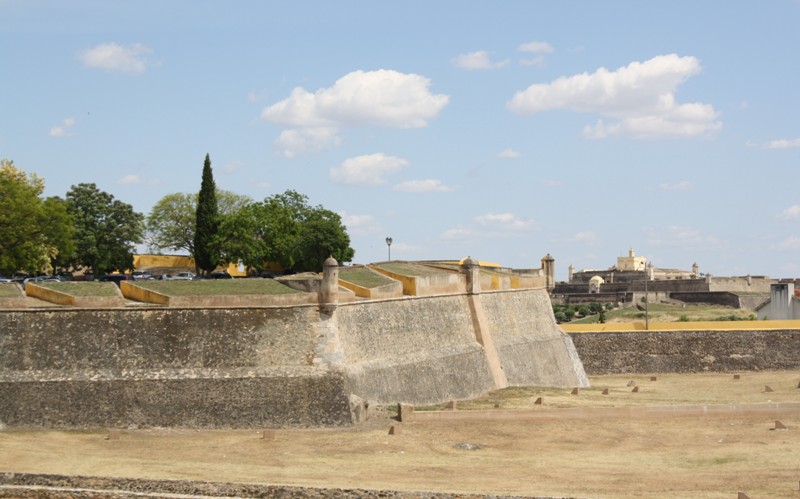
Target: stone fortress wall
{"x":689,"y":351}
{"x":299,"y":365}
{"x":325,"y":363}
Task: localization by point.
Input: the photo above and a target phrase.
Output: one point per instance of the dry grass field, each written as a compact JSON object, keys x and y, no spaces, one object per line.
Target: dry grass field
{"x":593,"y":456}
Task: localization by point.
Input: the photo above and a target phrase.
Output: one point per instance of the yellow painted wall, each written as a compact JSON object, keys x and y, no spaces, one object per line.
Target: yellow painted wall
{"x":146,"y":261}
{"x":681,"y":326}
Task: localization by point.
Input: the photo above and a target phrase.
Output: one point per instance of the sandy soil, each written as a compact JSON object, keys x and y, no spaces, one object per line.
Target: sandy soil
{"x":698,"y":456}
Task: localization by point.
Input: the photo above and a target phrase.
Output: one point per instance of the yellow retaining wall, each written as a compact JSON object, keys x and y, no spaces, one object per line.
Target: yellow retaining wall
{"x":141,"y":262}
{"x":409,"y":282}
{"x":60,"y":298}
{"x":681,"y":326}
{"x":134,"y":292}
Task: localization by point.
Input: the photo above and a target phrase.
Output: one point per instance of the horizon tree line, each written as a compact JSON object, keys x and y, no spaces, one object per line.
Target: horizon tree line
{"x":89,"y":229}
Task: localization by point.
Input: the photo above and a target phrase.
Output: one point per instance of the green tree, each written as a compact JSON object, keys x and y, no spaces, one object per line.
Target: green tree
{"x":106,"y":229}
{"x":321,"y":235}
{"x":284,"y":229}
{"x":206,"y":250}
{"x":34,"y":232}
{"x":242,"y":235}
{"x":59,"y":229}
{"x":172,"y":221}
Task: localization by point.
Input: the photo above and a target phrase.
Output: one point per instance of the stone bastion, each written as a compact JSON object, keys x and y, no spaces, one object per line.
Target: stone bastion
{"x":283,"y":366}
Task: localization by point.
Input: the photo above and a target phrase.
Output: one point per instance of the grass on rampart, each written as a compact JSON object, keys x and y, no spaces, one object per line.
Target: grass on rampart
{"x":661,"y":312}
{"x":9,"y":290}
{"x":364,"y":277}
{"x":409,"y":269}
{"x":82,"y":288}
{"x":218,"y":287}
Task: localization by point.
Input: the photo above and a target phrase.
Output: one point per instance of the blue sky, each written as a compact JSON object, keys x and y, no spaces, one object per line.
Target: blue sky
{"x":498,"y":130}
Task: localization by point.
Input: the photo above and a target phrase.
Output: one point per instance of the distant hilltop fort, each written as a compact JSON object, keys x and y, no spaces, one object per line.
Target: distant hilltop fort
{"x":633,"y":278}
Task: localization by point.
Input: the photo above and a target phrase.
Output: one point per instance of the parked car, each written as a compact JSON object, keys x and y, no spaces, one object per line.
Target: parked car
{"x":142,"y":275}
{"x":181,"y":276}
{"x":5,"y":279}
{"x":41,"y":278}
{"x":220,"y":274}
{"x":115,"y":278}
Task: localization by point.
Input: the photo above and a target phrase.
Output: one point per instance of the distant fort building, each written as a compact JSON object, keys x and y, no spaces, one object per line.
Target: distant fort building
{"x":633,"y":276}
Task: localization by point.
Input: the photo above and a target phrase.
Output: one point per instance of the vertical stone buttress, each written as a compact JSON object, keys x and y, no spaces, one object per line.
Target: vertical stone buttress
{"x":480,"y":324}
{"x":329,"y":291}
{"x":328,"y":349}
{"x":549,"y":270}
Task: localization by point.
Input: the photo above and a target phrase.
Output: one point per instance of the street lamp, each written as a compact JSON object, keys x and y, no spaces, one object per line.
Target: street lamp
{"x":389,"y":244}
{"x":646,"y":303}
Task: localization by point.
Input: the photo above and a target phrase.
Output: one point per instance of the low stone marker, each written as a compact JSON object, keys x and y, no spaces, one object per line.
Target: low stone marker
{"x":605,"y":391}
{"x":653,"y":378}
{"x":268,"y":435}
{"x":736,"y":376}
{"x":451,"y":406}
{"x":112,"y":435}
{"x":394,"y":430}
{"x":635,"y":389}
{"x":631,"y":383}
{"x":798,"y":384}
{"x":575,"y":391}
{"x":405,"y":412}
{"x":767,"y":389}
{"x":538,"y":401}
{"x":742,"y":495}
{"x":779,"y":426}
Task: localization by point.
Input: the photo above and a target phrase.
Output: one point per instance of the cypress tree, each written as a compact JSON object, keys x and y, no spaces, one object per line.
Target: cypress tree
{"x":206,"y":253}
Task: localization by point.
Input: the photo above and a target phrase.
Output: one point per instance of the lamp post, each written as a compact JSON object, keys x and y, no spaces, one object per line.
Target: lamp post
{"x":646,"y":303}
{"x":389,"y":245}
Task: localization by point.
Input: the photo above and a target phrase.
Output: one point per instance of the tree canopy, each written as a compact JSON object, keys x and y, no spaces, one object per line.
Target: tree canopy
{"x":171,"y":223}
{"x":285,"y":229}
{"x":106,"y":229}
{"x":206,"y":249}
{"x":35,"y":233}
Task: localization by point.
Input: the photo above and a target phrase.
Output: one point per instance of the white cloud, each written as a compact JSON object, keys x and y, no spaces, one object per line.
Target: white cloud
{"x":782,"y":144}
{"x":585,"y":237}
{"x":681,"y":237}
{"x":369,"y":169}
{"x":536,"y":48}
{"x":115,"y":57}
{"x":791,"y":243}
{"x":428,"y":185}
{"x":458,"y":233}
{"x":790,"y":213}
{"x":262,"y":185}
{"x":232,"y":167}
{"x":684,"y":185}
{"x":295,"y":142}
{"x":64,"y":129}
{"x":136,"y":180}
{"x":509,"y":153}
{"x":502,"y":221}
{"x":639,"y":97}
{"x":478,"y":60}
{"x":383,"y":97}
{"x":359,"y":224}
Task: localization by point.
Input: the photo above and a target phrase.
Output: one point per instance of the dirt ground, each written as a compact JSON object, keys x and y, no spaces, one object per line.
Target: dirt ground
{"x":592,"y":456}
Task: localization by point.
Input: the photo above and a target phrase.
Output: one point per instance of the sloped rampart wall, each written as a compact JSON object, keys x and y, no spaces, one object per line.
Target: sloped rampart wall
{"x":412,"y":350}
{"x":532,"y":349}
